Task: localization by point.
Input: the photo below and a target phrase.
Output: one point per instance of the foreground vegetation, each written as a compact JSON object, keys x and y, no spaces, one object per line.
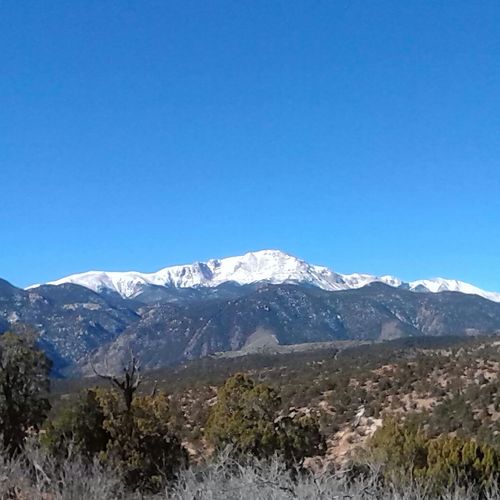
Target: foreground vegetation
{"x":405,"y":419}
{"x":36,"y":476}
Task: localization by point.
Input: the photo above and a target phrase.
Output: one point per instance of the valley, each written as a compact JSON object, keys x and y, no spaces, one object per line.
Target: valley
{"x":450,"y":384}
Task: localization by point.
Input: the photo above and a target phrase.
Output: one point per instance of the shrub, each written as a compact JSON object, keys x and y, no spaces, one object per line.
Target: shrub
{"x":298,"y":438}
{"x":138,"y":443}
{"x":463,"y":462}
{"x":141,"y":446}
{"x":81,"y":424}
{"x":246,"y":417}
{"x":400,"y":448}
{"x":35,"y":474}
{"x":243,"y":417}
{"x":407,"y":454}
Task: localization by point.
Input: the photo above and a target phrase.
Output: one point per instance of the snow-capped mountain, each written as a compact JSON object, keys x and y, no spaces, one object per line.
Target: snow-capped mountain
{"x":266,"y":266}
{"x":269,"y":266}
{"x":437,"y":285}
{"x":184,"y":312}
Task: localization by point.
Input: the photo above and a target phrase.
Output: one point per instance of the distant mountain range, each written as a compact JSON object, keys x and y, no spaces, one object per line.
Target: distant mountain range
{"x":185,"y":312}
{"x":266,"y":266}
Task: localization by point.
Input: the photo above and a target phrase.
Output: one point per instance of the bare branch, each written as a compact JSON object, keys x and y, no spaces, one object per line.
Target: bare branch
{"x":130,"y":382}
{"x":100,"y":375}
{"x":153,"y":390}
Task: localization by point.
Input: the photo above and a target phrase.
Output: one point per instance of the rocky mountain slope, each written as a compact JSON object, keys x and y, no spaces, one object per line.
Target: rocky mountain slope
{"x":188,"y":312}
{"x":72,"y":320}
{"x":168,"y":333}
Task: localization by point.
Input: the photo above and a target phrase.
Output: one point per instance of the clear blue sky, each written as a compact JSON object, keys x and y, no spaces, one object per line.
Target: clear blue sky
{"x":362,"y":135}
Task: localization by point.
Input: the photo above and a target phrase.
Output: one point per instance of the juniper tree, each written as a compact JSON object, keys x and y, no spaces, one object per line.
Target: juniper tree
{"x":24,"y":386}
{"x":406,"y":453}
{"x":140,"y":443}
{"x":81,"y":423}
{"x":247,"y":417}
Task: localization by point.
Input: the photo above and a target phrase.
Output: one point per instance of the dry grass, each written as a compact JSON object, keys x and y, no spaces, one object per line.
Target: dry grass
{"x":36,"y":476}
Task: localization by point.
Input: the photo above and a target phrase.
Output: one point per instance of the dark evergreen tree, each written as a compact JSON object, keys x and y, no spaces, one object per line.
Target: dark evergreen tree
{"x":24,"y":386}
{"x":247,"y":418}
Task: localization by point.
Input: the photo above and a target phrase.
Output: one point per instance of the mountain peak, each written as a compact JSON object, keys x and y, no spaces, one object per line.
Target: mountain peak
{"x":268,"y":266}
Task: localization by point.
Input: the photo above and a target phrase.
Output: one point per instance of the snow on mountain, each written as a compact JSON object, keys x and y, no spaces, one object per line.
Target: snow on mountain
{"x":270,"y":266}
{"x":357,"y":280}
{"x":437,"y":285}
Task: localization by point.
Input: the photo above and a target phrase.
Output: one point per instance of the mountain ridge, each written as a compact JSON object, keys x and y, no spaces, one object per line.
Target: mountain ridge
{"x":169,"y":334}
{"x":263,"y":266}
{"x":164,"y":326}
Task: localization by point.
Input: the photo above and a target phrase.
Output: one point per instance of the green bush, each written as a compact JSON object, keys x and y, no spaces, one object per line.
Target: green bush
{"x":137,"y":443}
{"x":141,"y":446}
{"x":401,"y":448}
{"x":456,"y":461}
{"x":81,"y":424}
{"x":406,"y":454}
{"x":246,"y":417}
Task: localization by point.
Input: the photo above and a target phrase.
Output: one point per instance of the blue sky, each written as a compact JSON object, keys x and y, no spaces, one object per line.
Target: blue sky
{"x":360,"y":135}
